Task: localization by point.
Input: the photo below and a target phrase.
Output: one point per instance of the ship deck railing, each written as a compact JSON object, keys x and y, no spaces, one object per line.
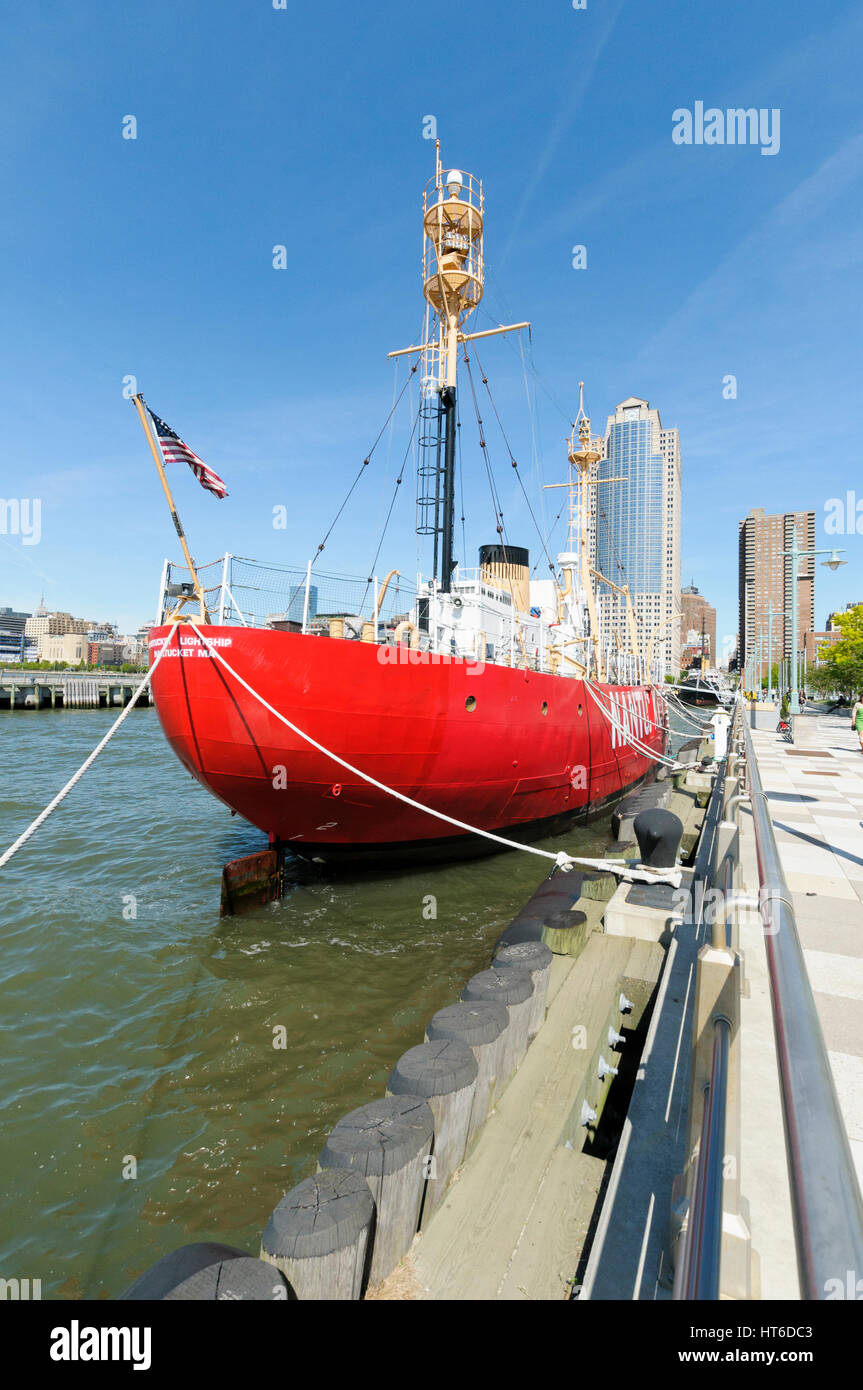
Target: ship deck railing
{"x":241,"y":592}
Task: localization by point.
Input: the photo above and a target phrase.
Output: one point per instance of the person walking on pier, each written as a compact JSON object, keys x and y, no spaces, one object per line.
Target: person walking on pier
{"x":857,"y":719}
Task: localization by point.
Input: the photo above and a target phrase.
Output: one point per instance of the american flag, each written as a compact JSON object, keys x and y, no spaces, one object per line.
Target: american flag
{"x":175,"y":451}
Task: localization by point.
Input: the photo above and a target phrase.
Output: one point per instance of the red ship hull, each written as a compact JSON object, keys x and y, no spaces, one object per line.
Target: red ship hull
{"x":499,"y":748}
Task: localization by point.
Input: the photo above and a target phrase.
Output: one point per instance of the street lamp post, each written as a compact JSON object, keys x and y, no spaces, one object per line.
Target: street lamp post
{"x":771,"y":614}
{"x":795,"y":554}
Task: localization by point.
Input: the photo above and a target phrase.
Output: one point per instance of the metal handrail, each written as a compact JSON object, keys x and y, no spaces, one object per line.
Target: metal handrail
{"x":698,"y":1271}
{"x":826,"y":1201}
{"x":697,"y":1274}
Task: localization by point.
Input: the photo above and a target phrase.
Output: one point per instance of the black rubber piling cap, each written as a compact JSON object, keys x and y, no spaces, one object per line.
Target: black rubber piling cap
{"x":507,"y":984}
{"x":528,"y":955}
{"x":476,"y":1024}
{"x":565,"y":921}
{"x":658,"y":833}
{"x":381,"y":1137}
{"x":206,"y":1272}
{"x":433,"y":1069}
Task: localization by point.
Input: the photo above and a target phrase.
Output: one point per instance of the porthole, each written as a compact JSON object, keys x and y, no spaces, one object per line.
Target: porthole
{"x":470,"y":704}
{"x":543,"y":709}
{"x":579,"y":711}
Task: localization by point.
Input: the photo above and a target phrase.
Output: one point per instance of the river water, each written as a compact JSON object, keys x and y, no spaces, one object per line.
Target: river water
{"x":143,"y":1103}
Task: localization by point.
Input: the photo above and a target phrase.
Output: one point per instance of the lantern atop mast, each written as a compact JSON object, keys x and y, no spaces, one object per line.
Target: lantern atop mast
{"x":453,"y":271}
{"x":453,"y":268}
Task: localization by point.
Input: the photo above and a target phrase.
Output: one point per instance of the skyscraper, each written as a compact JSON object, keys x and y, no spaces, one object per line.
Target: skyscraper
{"x":764,"y":584}
{"x":637,"y":534}
{"x":698,"y":616}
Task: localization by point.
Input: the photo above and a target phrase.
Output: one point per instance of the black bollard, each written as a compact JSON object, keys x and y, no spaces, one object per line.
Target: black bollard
{"x":658,"y":833}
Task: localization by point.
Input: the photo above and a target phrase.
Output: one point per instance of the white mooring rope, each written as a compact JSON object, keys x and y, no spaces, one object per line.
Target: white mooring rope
{"x":630,"y":738}
{"x":673,"y":702}
{"x":52,"y":805}
{"x":561,"y":859}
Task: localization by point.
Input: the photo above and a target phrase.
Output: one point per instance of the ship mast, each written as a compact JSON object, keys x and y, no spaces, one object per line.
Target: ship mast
{"x":453,"y":272}
{"x":585,"y":449}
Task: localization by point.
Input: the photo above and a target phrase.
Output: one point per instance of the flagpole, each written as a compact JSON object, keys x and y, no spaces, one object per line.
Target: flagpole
{"x":157,"y":459}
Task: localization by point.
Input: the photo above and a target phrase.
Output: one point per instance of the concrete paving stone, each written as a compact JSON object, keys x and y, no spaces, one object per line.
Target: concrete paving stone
{"x":830,"y":973}
{"x":803,"y":858}
{"x":803,"y":827}
{"x":841,"y":1025}
{"x":849,"y":842}
{"x":777,"y":808}
{"x":829,"y":924}
{"x":817,"y":785}
{"x":837,"y":887}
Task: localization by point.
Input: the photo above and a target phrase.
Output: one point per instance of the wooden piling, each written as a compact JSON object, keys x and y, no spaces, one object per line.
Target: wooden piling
{"x":319,"y":1235}
{"x":537,"y":958}
{"x":444,"y":1073}
{"x":565,"y":933}
{"x":389,"y":1141}
{"x":513,"y":987}
{"x":483,"y":1026}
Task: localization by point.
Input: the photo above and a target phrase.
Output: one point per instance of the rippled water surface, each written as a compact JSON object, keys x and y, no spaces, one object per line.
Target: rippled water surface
{"x":138,"y":1025}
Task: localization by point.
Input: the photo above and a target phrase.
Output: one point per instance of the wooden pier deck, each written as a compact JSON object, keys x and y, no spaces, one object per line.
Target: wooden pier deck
{"x":34,"y":690}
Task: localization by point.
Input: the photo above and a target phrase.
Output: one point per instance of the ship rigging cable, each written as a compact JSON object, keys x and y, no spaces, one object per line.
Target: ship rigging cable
{"x":61,"y":795}
{"x":562,"y":860}
{"x":366,"y":461}
{"x":542,"y":539}
{"x":483,"y":444}
{"x":388,"y":516}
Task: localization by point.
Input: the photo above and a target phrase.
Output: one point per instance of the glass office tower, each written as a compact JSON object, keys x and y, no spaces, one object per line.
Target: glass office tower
{"x":637,"y":528}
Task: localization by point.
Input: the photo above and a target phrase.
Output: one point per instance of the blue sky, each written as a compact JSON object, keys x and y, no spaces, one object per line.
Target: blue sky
{"x":304,"y":127}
